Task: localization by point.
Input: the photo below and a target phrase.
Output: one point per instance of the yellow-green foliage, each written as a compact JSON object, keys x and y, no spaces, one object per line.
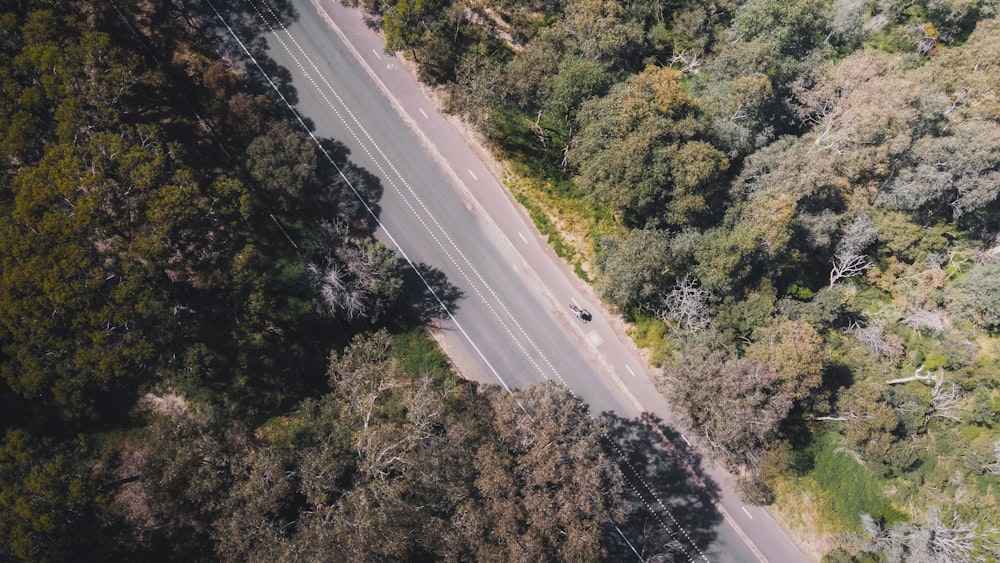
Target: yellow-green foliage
{"x":419,"y":355}
{"x":282,"y":432}
{"x":569,"y":222}
{"x":848,"y":490}
{"x":653,"y":335}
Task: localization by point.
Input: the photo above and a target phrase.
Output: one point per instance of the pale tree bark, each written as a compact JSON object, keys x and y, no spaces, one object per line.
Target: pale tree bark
{"x":945,"y":402}
{"x":848,"y":265}
{"x":873,"y":337}
{"x":850,"y":259}
{"x":955,"y":541}
{"x":993,"y":467}
{"x":685,"y":306}
{"x":915,"y":377}
{"x":689,"y":63}
{"x":384,"y":450}
{"x":925,"y":319}
{"x":944,"y":539}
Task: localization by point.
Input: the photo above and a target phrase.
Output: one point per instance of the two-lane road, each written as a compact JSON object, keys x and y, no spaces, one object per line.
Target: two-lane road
{"x":443,"y":207}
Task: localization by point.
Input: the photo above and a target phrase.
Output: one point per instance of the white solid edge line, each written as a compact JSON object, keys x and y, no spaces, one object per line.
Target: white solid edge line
{"x":361,"y":199}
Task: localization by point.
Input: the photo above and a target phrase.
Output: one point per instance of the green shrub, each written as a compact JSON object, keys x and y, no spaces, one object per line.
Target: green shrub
{"x":800,"y":292}
{"x":651,"y":334}
{"x":418,"y":354}
{"x":848,"y":489}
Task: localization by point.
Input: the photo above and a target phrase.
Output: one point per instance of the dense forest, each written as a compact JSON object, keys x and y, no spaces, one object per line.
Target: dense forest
{"x":796,"y":204}
{"x":206,"y":356}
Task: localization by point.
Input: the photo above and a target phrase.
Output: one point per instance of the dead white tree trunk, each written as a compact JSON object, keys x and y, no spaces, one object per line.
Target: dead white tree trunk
{"x":850,"y":259}
{"x":915,"y":377}
{"x":847,"y":266}
{"x":993,"y":467}
{"x":689,"y":63}
{"x":685,"y":306}
{"x":945,"y":402}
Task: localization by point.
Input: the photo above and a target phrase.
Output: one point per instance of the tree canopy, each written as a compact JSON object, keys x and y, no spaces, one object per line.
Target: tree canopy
{"x":796,"y":203}
{"x":638,"y":151}
{"x":205,"y":355}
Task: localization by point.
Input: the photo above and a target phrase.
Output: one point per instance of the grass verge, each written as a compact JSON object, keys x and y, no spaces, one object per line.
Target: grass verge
{"x":419,"y":354}
{"x":653,"y":335}
{"x":844,"y":489}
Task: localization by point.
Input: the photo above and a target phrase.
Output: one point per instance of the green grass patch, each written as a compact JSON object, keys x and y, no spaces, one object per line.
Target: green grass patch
{"x":870,"y":298}
{"x":890,"y":40}
{"x":418,"y":354}
{"x":561,"y":212}
{"x":284,"y":432}
{"x":653,"y":335}
{"x":548,"y":229}
{"x":848,"y":490}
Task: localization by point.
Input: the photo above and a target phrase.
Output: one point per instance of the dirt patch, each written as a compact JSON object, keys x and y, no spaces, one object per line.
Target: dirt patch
{"x":168,"y":404}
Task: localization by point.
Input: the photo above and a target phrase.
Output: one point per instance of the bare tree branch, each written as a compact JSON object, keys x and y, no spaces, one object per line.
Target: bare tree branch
{"x":925,"y":319}
{"x":993,"y":467}
{"x":945,"y":403}
{"x":848,"y":266}
{"x":850,"y":259}
{"x":915,"y":377}
{"x":689,"y":63}
{"x":685,"y":306}
{"x":873,"y":337}
{"x":945,"y":538}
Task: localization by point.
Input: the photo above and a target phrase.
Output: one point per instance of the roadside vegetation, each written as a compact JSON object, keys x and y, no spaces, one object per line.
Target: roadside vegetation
{"x":798,"y":204}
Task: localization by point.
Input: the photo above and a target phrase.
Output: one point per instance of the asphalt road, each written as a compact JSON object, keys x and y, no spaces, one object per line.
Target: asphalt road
{"x":442,"y":207}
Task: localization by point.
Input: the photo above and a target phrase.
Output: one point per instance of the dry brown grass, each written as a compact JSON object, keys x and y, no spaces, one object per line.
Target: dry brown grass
{"x":799,"y":512}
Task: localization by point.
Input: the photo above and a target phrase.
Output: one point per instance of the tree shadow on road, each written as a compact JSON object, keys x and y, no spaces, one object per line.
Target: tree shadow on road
{"x":355,"y":190}
{"x":673,"y":516}
{"x":427,"y":288}
{"x":250,"y":21}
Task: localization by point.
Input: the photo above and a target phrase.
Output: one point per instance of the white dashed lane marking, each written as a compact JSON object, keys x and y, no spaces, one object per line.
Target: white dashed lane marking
{"x":473,"y":174}
{"x":378,"y":56}
{"x":423,"y":114}
{"x":507,"y":316}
